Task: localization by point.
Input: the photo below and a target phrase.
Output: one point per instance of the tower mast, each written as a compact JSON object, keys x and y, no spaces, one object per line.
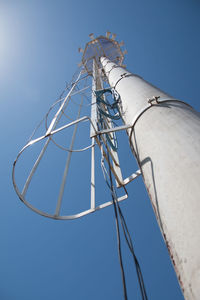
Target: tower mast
{"x":165,"y":140}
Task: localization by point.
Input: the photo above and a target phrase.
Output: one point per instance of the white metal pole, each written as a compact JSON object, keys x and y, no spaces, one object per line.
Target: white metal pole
{"x":165,"y":138}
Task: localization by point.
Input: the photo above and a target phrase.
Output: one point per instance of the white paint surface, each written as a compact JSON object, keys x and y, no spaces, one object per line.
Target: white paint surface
{"x":166,"y":139}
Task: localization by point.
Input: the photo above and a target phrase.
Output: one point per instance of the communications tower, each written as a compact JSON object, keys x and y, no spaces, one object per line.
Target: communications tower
{"x":164,"y":136}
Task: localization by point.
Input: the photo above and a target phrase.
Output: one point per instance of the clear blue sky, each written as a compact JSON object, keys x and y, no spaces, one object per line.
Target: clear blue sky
{"x":45,"y":259}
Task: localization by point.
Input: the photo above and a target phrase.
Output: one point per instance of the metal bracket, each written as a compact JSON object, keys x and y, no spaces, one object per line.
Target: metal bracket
{"x":154,"y":99}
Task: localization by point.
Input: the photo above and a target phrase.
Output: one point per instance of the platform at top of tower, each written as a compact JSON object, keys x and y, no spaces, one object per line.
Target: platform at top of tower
{"x":101,"y":46}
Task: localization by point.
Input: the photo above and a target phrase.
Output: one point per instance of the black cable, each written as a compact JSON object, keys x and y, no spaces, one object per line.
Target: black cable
{"x":118,"y":232}
{"x":130,"y":245}
{"x":128,"y":239}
